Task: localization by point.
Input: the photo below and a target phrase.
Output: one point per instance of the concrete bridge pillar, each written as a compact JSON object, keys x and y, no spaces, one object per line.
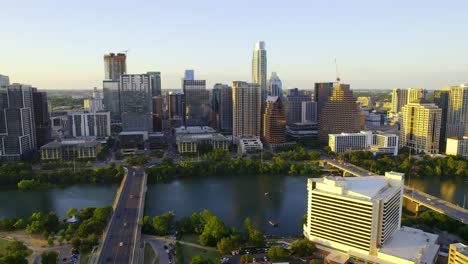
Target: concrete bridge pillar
{"x":412,"y":206}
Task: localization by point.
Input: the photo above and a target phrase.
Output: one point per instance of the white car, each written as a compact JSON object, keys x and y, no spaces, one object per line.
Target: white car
{"x":120,"y":244}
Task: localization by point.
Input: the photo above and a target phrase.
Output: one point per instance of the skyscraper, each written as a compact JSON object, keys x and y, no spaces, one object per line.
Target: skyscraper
{"x":399,"y":99}
{"x":155,"y":80}
{"x":111,"y":100}
{"x":295,"y":98}
{"x":158,"y":102}
{"x":340,"y":114}
{"x":322,"y":91}
{"x":259,"y":68}
{"x":309,"y":112}
{"x":189,"y":75}
{"x":175,"y":107}
{"x":441,"y":99}
{"x":94,"y":103}
{"x":415,"y":94}
{"x":274,"y":121}
{"x":17,"y":125}
{"x":457,"y":113}
{"x":114,"y":66}
{"x":420,"y":128}
{"x":246,"y":102}
{"x":221,"y":103}
{"x":275,"y":86}
{"x":135,"y":102}
{"x":4,"y":80}
{"x":197,"y":103}
{"x":87,"y":124}
{"x":41,"y":118}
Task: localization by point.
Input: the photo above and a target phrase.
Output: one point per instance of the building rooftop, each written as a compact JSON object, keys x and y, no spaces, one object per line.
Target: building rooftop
{"x":461,"y":248}
{"x":198,"y":137}
{"x":194,"y":130}
{"x":84,"y":143}
{"x":128,"y":133}
{"x":412,"y":244}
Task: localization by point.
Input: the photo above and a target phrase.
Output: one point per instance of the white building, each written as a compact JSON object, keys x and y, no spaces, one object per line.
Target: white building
{"x":4,"y":80}
{"x":249,"y":145}
{"x":458,"y":253}
{"x":456,"y":146}
{"x":94,"y":103}
{"x":360,"y":217}
{"x":86,"y":124}
{"x":364,"y":140}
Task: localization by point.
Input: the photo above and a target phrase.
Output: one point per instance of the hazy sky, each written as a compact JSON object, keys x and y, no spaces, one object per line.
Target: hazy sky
{"x":379,"y":44}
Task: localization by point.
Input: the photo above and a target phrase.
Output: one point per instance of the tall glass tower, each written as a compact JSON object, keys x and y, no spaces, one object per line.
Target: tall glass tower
{"x":259,"y":68}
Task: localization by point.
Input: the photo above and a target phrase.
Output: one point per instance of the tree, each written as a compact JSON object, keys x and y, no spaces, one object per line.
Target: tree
{"x":75,"y":242}
{"x":162,"y":224}
{"x":316,"y":261}
{"x":246,"y":258}
{"x":19,"y":224}
{"x":213,"y":232}
{"x":276,"y":253}
{"x":15,"y":253}
{"x":197,"y":259}
{"x":49,"y":257}
{"x":302,"y":248}
{"x":50,"y":241}
{"x":227,"y":244}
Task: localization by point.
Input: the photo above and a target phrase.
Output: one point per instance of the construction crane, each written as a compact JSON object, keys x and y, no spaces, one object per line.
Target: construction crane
{"x":337,"y":72}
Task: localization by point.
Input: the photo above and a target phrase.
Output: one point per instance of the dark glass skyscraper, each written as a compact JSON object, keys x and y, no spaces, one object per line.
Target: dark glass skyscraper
{"x":322,"y":91}
{"x":441,"y":99}
{"x":295,"y":98}
{"x":136,"y":102}
{"x":221,"y":103}
{"x":197,"y":103}
{"x":41,"y":118}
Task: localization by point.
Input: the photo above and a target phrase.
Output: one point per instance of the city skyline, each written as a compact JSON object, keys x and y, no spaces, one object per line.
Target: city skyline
{"x":384,"y":45}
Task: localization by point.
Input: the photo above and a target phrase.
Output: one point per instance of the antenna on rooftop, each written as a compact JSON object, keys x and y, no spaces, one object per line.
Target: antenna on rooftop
{"x":337,"y":72}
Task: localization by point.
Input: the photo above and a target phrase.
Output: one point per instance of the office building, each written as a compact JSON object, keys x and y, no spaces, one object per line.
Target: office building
{"x":136,"y":102}
{"x":295,"y":98}
{"x":221,"y":104}
{"x":457,"y":112}
{"x":457,"y":146}
{"x":157,"y":141}
{"x":4,"y":80}
{"x":414,"y":94}
{"x":41,"y":117}
{"x":274,"y":121}
{"x":365,"y":101}
{"x":359,"y":218}
{"x":175,"y":107}
{"x":111,"y":92}
{"x":59,"y":125}
{"x":131,"y":141}
{"x":441,"y":99}
{"x":189,"y":75}
{"x":458,"y":254}
{"x":17,"y":124}
{"x":94,"y":103}
{"x":86,"y":124}
{"x":309,"y":112}
{"x":364,"y":140}
{"x":302,"y":130}
{"x":259,"y":68}
{"x":322,"y":91}
{"x":399,"y":99}
{"x":155,"y":83}
{"x":70,"y":150}
{"x":189,"y":143}
{"x":340,"y":114}
{"x":275,"y":86}
{"x":197,"y":103}
{"x":158,"y":114}
{"x":249,"y":145}
{"x":420,"y":127}
{"x":246,"y":101}
{"x":114,"y":66}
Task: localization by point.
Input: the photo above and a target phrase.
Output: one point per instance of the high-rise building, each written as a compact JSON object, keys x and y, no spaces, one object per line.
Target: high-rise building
{"x":340,"y":114}
{"x":111,"y":100}
{"x":364,"y":140}
{"x":457,"y":112}
{"x":458,"y":253}
{"x":41,"y":118}
{"x":441,"y":99}
{"x":158,"y":116}
{"x":275,"y":86}
{"x":17,"y":125}
{"x":197,"y":103}
{"x":359,"y":218}
{"x":94,"y":103}
{"x":87,"y":124}
{"x":321,"y":93}
{"x":415,"y":94}
{"x":259,"y":68}
{"x":246,"y":102}
{"x":135,"y":102}
{"x":309,"y":112}
{"x":295,"y":98}
{"x":420,"y":128}
{"x":155,"y":80}
{"x":221,"y":104}
{"x":399,"y":99}
{"x":175,"y":105}
{"x":274,"y":121}
{"x":4,"y":80}
{"x":189,"y":75}
{"x":114,"y":66}
{"x":457,"y":146}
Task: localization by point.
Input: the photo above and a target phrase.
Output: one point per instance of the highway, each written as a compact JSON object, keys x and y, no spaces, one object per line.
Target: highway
{"x":121,"y":240}
{"x":429,"y":201}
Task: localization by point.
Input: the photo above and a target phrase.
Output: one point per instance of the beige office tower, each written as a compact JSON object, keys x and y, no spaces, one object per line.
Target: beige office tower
{"x":457,"y":112}
{"x":420,"y":128}
{"x":114,"y":66}
{"x":416,"y":94}
{"x":399,"y":99}
{"x":340,"y":114}
{"x":246,"y":102}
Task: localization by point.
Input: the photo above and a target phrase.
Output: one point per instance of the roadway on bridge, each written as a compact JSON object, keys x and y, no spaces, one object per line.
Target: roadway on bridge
{"x":120,"y":242}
